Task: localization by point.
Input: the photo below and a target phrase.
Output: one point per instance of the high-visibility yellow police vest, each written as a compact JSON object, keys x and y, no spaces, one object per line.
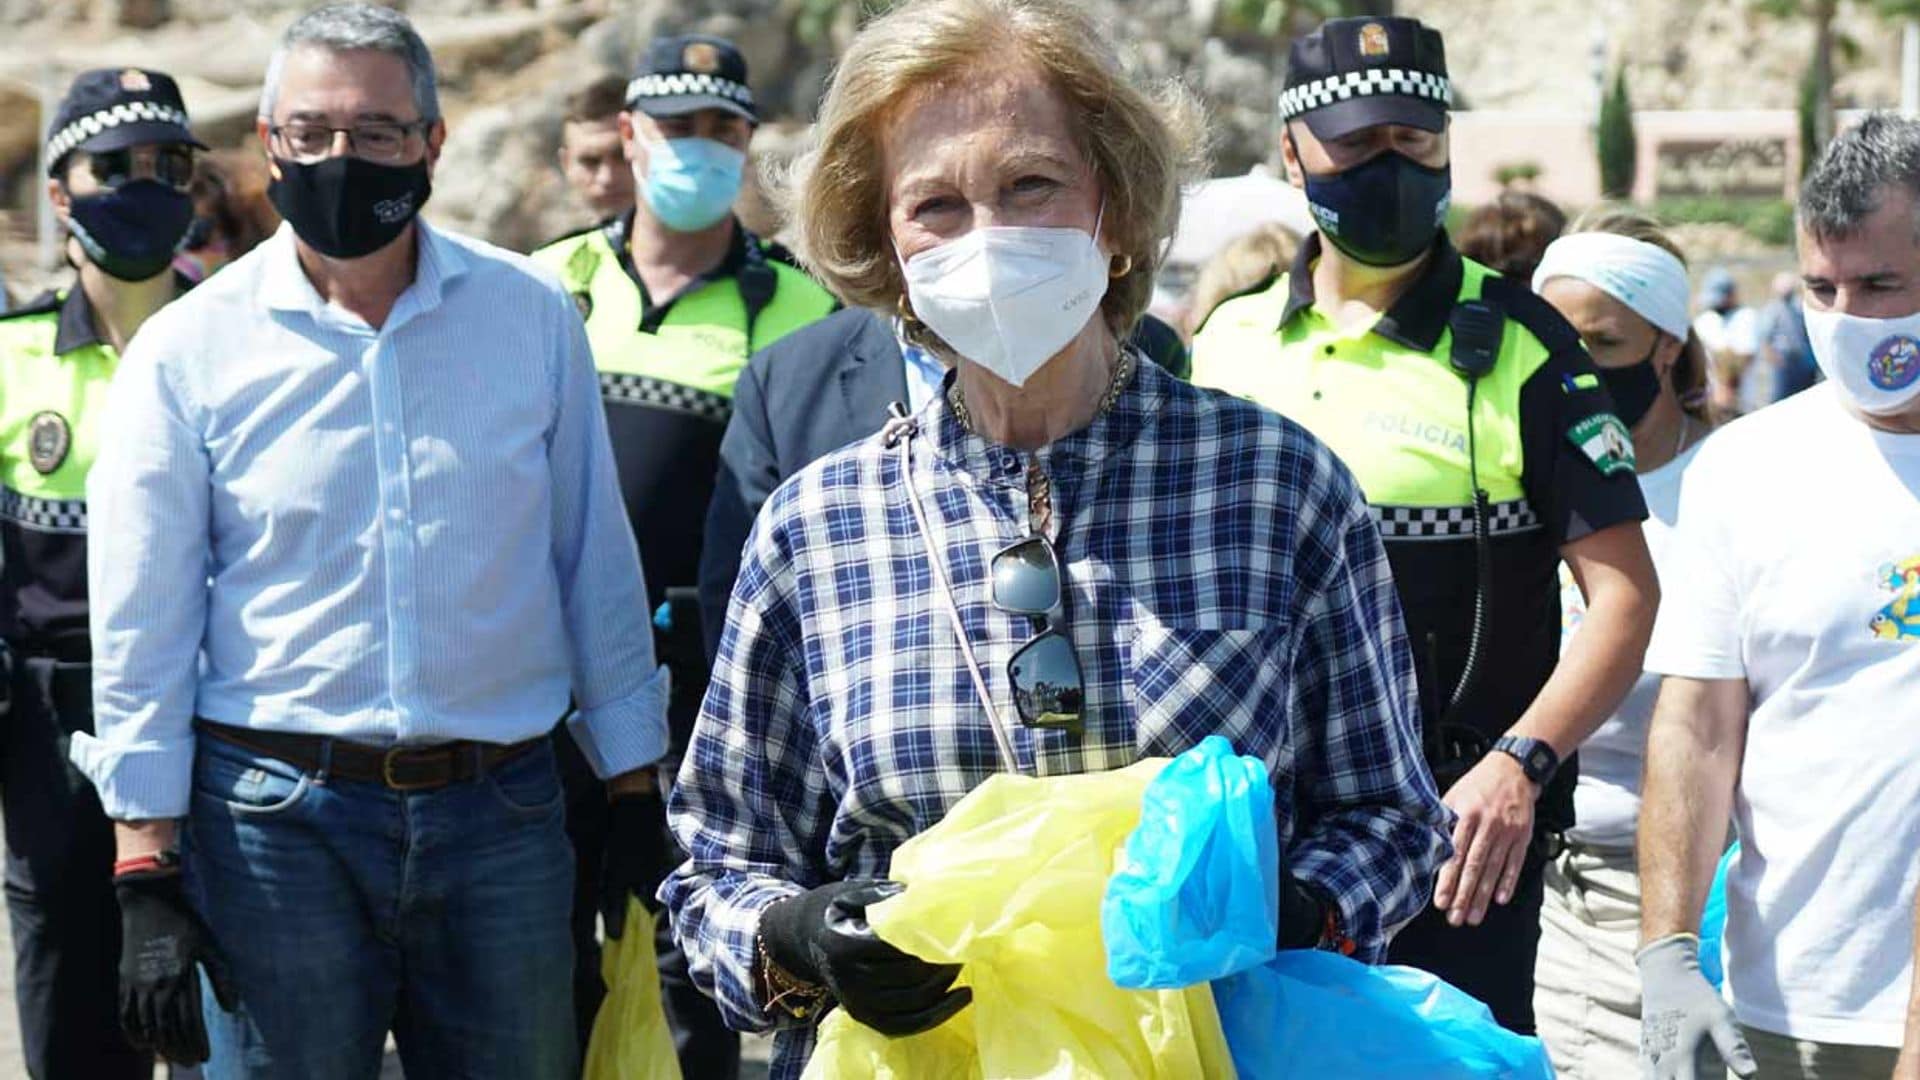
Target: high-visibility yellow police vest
{"x":1553,"y":461}
{"x":667,"y":371}
{"x":54,"y":372}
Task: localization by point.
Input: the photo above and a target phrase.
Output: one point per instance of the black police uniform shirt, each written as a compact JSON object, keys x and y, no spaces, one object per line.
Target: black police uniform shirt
{"x":1555,"y":462}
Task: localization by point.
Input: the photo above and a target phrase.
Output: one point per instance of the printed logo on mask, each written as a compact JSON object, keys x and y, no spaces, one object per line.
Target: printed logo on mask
{"x":396,"y":209}
{"x":1894,"y":364}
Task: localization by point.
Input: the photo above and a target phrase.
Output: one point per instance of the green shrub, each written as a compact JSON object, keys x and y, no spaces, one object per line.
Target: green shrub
{"x":1615,"y":141}
{"x":1516,"y":173}
{"x":1769,"y":221}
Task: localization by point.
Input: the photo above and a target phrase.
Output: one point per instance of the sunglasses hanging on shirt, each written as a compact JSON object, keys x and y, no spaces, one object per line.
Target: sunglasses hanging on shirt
{"x":1048,"y":687}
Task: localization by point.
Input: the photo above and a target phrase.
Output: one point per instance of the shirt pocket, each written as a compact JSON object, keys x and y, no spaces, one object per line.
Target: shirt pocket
{"x":1188,"y":682}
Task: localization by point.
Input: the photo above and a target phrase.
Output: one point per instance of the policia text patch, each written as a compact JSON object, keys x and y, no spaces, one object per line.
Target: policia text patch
{"x":1605,"y":441}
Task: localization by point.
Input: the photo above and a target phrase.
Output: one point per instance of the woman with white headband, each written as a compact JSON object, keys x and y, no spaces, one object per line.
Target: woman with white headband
{"x":1623,"y":285}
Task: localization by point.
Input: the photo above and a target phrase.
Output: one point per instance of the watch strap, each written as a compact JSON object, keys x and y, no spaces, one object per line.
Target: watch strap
{"x":1536,"y":756}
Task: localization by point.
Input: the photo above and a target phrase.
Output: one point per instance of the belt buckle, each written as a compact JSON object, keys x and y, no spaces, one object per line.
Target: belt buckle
{"x":395,"y":783}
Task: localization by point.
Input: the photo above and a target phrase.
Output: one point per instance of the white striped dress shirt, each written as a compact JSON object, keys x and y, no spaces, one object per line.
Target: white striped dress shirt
{"x":396,"y":536}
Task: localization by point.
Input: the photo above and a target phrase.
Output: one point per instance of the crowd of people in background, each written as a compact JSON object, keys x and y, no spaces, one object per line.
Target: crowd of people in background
{"x":390,"y":618}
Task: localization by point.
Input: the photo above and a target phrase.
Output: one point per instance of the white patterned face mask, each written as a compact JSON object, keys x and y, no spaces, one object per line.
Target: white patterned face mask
{"x":1009,"y":297}
{"x":1874,"y":362}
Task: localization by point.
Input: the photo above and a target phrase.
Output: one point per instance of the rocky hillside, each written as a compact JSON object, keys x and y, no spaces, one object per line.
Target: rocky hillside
{"x":507,"y":64}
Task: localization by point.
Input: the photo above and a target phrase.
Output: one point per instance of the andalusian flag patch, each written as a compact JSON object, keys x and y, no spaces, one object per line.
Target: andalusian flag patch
{"x":1605,"y":441}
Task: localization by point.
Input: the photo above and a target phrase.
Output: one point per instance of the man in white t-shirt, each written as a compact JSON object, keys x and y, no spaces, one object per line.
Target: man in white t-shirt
{"x":1790,"y":638}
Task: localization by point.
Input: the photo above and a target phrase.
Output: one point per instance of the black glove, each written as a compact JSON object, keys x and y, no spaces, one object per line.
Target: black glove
{"x":1303,"y":915}
{"x":161,"y":939}
{"x":639,"y":856}
{"x":822,"y":937}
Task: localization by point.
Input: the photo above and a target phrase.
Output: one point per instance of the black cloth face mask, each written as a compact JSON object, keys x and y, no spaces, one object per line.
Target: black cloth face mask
{"x":1634,"y":388}
{"x":1384,"y":211}
{"x":131,"y":231}
{"x":348,"y":207}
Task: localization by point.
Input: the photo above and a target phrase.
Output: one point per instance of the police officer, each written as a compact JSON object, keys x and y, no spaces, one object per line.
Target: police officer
{"x":121,"y":158}
{"x":677,"y":294}
{"x":1480,"y":432}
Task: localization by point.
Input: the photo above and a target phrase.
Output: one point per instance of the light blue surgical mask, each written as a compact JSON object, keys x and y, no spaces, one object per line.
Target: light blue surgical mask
{"x":691,"y":183}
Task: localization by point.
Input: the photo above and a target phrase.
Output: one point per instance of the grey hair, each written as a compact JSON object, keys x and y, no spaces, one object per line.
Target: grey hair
{"x":1847,"y":184}
{"x":350,"y":26}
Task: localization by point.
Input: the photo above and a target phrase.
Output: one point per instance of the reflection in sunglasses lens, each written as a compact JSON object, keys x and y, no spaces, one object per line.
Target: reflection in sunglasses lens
{"x":1026,"y":578}
{"x":1047,"y":686}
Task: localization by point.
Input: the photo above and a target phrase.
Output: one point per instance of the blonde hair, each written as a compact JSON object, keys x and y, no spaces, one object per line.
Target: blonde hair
{"x":1141,"y":144}
{"x":1690,"y":371}
{"x":1248,"y":261}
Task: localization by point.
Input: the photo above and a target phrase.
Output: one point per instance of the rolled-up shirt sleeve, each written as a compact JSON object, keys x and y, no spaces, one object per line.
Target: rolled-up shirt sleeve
{"x":619,"y":692}
{"x":1371,"y":831}
{"x":750,"y":806}
{"x":147,"y":562}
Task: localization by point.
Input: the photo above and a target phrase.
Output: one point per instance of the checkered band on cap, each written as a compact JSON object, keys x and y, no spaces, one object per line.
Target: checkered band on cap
{"x":683,"y":84}
{"x":1373,"y":82}
{"x":127,"y":112}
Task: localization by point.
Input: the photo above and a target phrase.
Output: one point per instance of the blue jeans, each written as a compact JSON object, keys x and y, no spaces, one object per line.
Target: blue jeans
{"x":346,"y":910}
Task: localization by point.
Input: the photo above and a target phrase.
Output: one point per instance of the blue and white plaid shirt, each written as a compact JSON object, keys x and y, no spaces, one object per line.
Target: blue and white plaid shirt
{"x":1223,"y":576}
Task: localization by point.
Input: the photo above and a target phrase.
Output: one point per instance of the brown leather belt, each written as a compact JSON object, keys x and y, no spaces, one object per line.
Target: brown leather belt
{"x":399,"y":768}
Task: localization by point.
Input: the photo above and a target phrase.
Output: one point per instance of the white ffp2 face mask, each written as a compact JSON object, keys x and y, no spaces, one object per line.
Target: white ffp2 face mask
{"x":1875,"y":362}
{"x":1009,"y":297}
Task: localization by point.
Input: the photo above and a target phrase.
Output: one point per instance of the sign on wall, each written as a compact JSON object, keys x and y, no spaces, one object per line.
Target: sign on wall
{"x":1722,"y":167}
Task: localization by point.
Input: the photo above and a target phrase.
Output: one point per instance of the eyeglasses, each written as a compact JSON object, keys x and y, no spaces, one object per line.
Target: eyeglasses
{"x":375,"y":140}
{"x":172,"y":165}
{"x":1047,"y":686}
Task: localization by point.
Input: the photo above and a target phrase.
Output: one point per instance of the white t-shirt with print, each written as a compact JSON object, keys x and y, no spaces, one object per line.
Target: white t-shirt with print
{"x":1796,"y":566}
{"x":1606,"y":800}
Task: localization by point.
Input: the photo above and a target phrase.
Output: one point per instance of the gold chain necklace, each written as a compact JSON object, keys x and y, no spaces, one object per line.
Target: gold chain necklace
{"x":1122,"y":373}
{"x":1039,"y":484}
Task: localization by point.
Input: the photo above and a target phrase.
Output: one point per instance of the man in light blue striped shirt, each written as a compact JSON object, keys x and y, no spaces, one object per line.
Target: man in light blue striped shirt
{"x":356,"y":541}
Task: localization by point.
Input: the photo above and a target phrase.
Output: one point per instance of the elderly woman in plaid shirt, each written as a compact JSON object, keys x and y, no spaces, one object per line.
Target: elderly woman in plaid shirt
{"x":1067,"y":561}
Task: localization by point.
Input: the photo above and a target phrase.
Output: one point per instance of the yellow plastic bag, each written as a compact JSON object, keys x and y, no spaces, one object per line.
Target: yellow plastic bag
{"x":630,"y":1037}
{"x":1010,"y":885}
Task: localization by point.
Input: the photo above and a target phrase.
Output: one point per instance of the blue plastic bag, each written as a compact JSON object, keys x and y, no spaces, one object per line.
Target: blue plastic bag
{"x":1197,"y":893}
{"x":1196,"y":900}
{"x":1713,"y":921}
{"x":1307,"y":1015}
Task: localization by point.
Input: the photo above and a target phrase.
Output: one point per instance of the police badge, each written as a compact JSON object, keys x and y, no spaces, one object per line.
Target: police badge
{"x":700,"y":58}
{"x":1374,"y":43}
{"x":48,"y":440}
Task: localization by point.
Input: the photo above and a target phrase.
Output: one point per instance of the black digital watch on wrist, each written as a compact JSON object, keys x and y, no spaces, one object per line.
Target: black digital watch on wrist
{"x":1536,"y":757}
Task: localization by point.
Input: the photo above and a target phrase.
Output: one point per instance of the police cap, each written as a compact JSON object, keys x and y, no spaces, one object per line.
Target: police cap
{"x":114,"y":108}
{"x":689,"y":72}
{"x":1363,"y":72}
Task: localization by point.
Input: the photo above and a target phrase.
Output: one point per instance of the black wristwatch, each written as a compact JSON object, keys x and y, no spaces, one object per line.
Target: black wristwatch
{"x":1537,"y":759}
